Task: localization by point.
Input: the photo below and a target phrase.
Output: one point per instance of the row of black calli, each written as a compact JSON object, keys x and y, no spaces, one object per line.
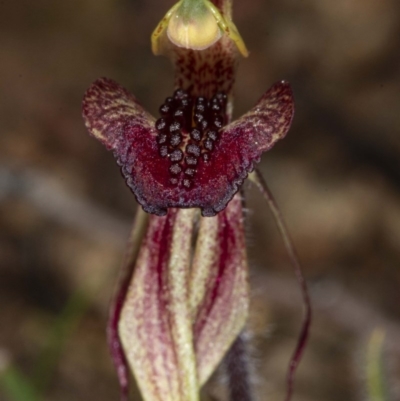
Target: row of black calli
{"x":187,"y":130}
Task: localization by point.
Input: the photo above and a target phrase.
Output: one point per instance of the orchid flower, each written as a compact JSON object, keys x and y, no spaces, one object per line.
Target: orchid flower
{"x":183,"y":297}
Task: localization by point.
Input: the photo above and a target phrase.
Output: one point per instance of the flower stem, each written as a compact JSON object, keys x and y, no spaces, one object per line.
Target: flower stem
{"x":237,"y":365}
{"x":257,"y":178}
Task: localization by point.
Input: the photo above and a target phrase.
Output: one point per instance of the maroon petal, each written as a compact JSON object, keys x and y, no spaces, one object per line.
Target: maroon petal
{"x":114,"y":117}
{"x":241,"y":144}
{"x":108,"y":109}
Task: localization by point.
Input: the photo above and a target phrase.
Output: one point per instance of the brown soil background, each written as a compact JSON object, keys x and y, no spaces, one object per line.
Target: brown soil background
{"x":65,"y":211}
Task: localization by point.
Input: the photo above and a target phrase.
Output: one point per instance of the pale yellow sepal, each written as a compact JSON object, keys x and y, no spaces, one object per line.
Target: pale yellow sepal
{"x":196,"y":25}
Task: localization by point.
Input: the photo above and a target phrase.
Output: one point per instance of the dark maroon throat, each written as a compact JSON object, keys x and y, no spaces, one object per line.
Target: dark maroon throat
{"x":187,"y":131}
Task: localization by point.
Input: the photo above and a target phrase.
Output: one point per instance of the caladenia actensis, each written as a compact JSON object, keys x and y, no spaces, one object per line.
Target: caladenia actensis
{"x":183,"y":296}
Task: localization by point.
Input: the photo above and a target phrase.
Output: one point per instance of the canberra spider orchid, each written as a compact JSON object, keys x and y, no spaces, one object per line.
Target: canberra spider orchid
{"x":183,"y":297}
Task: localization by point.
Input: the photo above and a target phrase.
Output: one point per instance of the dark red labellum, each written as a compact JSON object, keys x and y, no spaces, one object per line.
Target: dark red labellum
{"x":188,"y":157}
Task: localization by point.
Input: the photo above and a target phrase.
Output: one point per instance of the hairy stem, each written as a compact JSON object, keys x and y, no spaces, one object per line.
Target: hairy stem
{"x":237,"y":366}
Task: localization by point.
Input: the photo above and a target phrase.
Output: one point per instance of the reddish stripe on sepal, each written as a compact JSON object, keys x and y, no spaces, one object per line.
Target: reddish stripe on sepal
{"x":155,"y":324}
{"x":113,"y":339}
{"x":223,"y":309}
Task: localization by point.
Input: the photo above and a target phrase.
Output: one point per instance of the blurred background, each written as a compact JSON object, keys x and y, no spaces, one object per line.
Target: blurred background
{"x":65,"y":212}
